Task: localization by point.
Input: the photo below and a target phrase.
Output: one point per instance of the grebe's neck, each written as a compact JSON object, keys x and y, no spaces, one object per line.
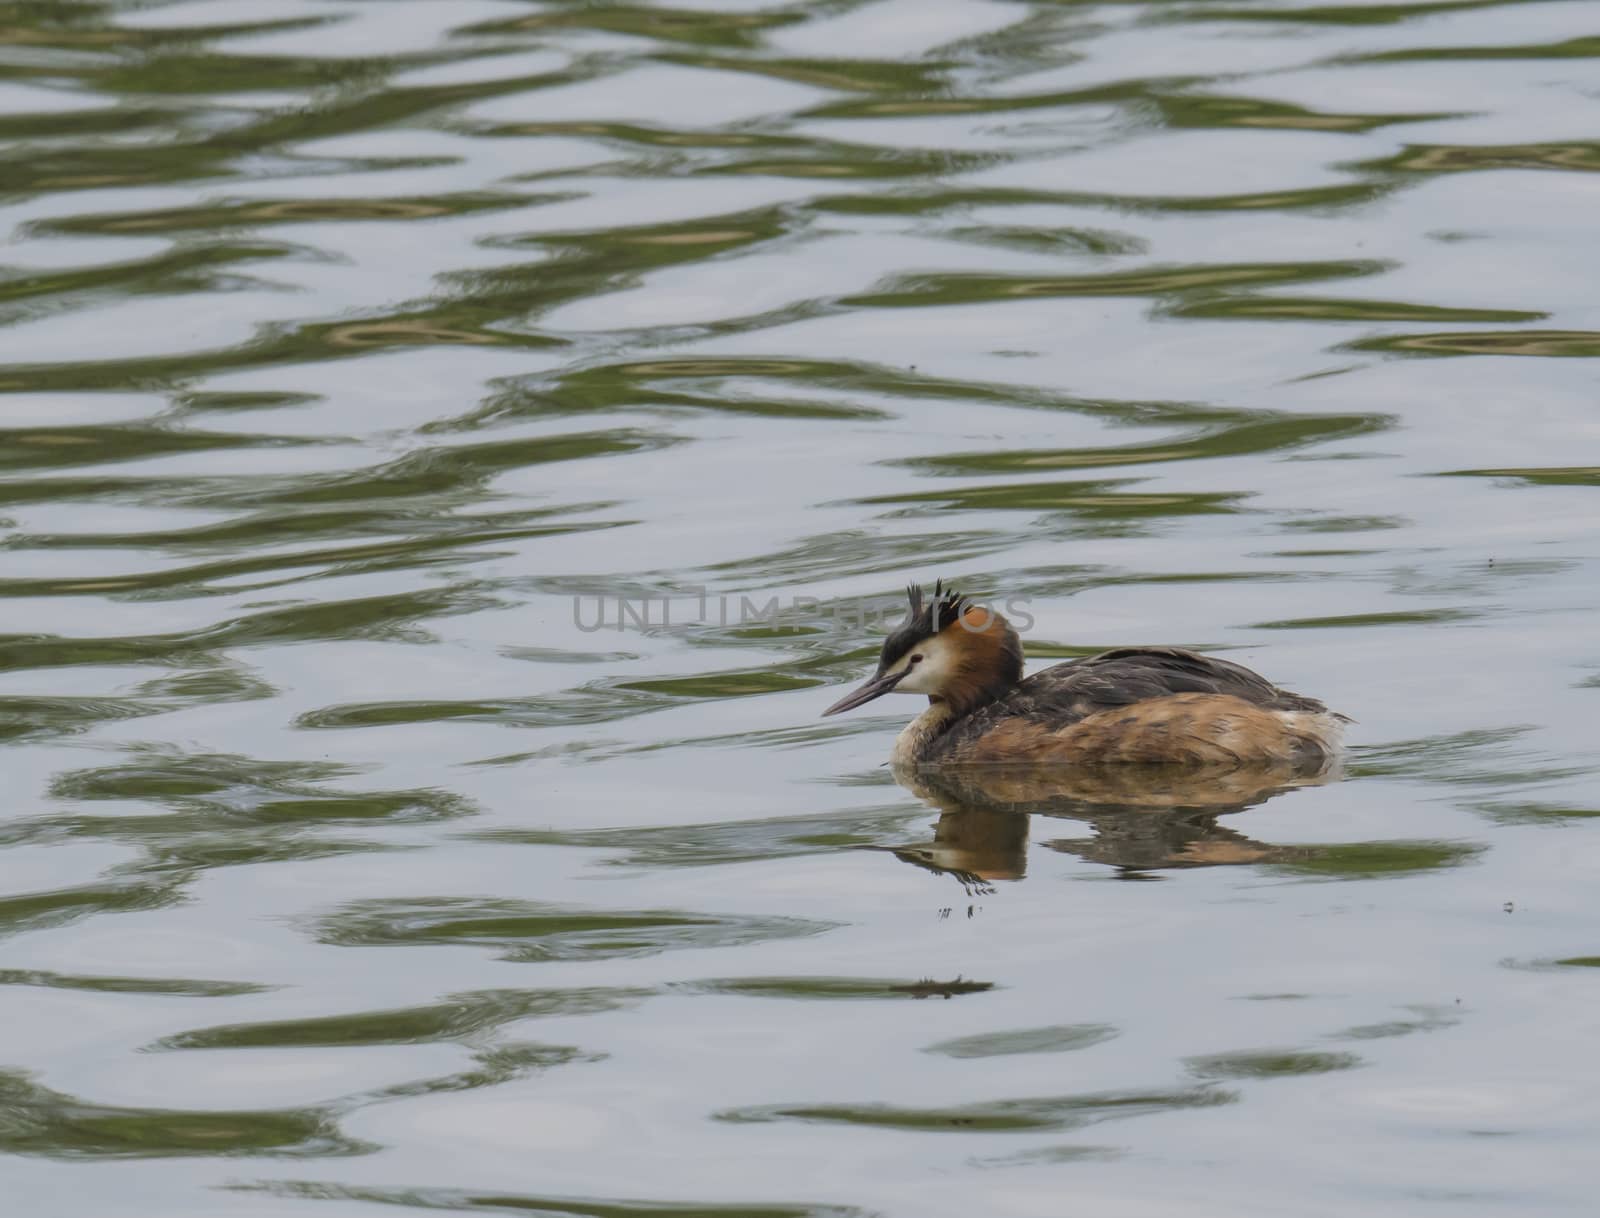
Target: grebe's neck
{"x":916,"y":736}
{"x":982,"y":663}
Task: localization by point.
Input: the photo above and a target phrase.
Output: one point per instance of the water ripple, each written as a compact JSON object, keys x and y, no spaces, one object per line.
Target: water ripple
{"x":363,"y":366}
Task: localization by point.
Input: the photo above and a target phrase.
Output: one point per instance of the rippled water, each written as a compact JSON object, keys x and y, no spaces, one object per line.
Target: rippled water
{"x":357,"y":357}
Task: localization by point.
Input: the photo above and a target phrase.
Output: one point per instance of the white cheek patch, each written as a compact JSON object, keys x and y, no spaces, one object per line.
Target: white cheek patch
{"x":930,"y":674}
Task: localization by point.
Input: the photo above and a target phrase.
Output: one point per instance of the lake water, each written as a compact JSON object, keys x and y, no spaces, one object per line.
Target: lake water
{"x":356,"y":358}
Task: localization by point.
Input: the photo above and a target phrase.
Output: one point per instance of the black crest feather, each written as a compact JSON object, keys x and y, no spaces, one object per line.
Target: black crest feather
{"x":947,"y":607}
{"x":923,"y":621}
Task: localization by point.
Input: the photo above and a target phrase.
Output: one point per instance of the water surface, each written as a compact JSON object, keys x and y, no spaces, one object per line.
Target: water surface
{"x":358,"y":358}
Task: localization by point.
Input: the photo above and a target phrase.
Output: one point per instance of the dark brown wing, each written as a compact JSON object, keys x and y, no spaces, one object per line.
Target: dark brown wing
{"x":1072,"y":691}
{"x":1132,"y":674}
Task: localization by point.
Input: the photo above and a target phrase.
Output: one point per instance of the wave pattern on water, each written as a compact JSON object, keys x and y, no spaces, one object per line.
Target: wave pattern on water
{"x":353,"y":353}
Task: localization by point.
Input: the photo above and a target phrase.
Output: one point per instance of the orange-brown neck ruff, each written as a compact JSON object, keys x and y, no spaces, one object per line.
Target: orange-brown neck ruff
{"x":988,"y":661}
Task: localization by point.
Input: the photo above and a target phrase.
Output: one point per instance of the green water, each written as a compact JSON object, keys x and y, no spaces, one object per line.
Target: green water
{"x":451,"y":451}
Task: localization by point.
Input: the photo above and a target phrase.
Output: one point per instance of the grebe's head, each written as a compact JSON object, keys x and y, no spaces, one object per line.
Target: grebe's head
{"x":953,"y":651}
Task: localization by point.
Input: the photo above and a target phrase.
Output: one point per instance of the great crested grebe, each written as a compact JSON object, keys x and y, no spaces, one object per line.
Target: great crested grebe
{"x":1150,"y":705}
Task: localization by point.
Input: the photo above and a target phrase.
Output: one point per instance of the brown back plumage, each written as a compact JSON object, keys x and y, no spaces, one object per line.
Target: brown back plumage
{"x":1141,"y":704}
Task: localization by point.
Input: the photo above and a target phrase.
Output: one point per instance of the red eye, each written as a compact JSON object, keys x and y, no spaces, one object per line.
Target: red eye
{"x":916,"y":659}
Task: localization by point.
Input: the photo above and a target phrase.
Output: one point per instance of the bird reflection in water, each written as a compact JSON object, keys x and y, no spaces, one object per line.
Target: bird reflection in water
{"x":1142,"y":818}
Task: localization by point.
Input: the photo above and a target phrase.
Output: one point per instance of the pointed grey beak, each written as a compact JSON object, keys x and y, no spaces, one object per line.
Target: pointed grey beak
{"x":874,"y":688}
